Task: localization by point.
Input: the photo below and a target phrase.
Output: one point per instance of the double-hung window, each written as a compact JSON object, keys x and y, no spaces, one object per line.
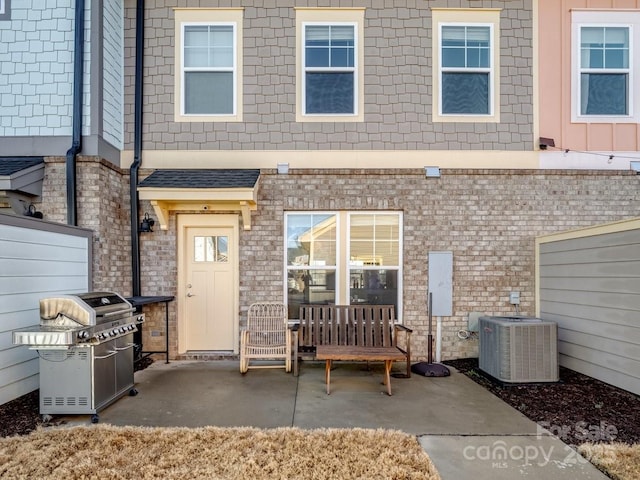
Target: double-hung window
{"x":209,"y":69}
{"x":604,"y":71}
{"x":465,"y":70}
{"x":343,"y":258}
{"x":329,"y":69}
{"x":466,"y":73}
{"x":208,"y":87}
{"x":329,"y":81}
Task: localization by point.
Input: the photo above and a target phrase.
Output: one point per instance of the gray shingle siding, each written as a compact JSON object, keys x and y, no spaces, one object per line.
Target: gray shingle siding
{"x":397,"y":68}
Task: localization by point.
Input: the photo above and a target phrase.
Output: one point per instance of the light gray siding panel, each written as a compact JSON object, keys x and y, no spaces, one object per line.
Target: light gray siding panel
{"x":628,"y":237}
{"x":621,"y":350}
{"x":583,"y":314}
{"x":594,"y":299}
{"x":598,"y":371}
{"x":37,"y":259}
{"x":615,"y":253}
{"x":572,"y":283}
{"x":628,"y":269}
{"x":590,"y":286}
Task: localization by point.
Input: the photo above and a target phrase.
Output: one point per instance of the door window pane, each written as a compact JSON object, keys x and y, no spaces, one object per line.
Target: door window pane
{"x":211,"y":249}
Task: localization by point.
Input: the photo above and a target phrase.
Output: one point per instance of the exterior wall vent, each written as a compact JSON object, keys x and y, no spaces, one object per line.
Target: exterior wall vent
{"x":519,"y":349}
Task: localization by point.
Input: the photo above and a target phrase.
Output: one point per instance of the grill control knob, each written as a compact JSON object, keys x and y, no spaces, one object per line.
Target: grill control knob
{"x":83,"y":335}
{"x":131,"y":327}
{"x":113,"y":333}
{"x":123,"y":330}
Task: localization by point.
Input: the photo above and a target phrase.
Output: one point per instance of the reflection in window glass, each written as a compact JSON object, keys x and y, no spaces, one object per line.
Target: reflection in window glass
{"x":604,"y":77}
{"x":466,"y":69}
{"x":311,"y":239}
{"x":211,"y":249}
{"x":343,"y":258}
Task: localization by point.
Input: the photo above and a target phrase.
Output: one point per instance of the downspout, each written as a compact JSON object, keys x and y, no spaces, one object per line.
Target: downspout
{"x":76,"y":140}
{"x":137,"y":150}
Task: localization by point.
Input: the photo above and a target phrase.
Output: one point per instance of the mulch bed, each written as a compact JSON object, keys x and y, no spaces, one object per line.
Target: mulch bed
{"x":577,"y":409}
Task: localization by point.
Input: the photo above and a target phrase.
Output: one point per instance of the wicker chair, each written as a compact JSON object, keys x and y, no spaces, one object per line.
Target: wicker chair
{"x":266,"y":337}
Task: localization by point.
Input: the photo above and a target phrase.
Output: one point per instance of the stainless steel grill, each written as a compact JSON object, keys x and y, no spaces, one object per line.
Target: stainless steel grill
{"x":86,"y":349}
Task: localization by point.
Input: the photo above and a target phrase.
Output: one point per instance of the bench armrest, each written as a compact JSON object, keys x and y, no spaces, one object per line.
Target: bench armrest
{"x":399,"y":326}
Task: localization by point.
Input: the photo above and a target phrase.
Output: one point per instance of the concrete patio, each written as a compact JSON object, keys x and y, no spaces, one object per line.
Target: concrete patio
{"x":467,"y":432}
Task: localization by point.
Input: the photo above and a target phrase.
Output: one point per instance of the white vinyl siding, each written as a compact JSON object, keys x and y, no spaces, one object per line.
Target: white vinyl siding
{"x":34,"y":264}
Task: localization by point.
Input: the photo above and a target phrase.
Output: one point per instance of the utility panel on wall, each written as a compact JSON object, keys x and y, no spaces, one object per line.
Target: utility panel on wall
{"x":441,"y":283}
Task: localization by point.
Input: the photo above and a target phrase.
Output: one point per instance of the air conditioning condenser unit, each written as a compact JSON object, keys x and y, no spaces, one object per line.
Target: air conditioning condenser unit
{"x":519,"y":349}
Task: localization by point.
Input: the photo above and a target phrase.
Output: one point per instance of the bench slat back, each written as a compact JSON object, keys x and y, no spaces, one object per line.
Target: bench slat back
{"x":362,"y":325}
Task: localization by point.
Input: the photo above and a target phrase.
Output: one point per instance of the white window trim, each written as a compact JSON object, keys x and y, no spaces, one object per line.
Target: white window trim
{"x":468,"y":17}
{"x":330,"y":16}
{"x":5,"y":10}
{"x":343,"y":266}
{"x":354,"y":69}
{"x":489,"y":70}
{"x":208,"y":16}
{"x":593,"y":18}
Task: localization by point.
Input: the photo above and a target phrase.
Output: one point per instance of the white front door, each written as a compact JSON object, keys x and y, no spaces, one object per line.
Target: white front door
{"x":209,"y":283}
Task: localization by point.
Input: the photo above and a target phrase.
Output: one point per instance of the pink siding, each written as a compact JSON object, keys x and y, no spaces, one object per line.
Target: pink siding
{"x":555,"y":82}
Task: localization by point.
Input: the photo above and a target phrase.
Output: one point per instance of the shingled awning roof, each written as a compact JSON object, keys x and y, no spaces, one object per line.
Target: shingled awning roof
{"x":201,"y":189}
{"x":22,"y":174}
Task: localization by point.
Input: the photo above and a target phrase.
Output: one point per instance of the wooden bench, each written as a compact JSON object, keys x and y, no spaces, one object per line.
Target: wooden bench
{"x":348,"y":325}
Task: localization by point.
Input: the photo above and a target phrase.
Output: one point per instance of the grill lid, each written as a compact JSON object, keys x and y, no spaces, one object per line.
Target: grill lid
{"x":85,"y":309}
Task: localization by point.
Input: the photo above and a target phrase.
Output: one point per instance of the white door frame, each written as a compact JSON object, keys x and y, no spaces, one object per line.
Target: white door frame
{"x":206,"y":220}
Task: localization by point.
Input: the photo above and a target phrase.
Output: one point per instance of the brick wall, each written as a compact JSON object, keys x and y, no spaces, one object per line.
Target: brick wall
{"x":489,"y":219}
{"x":103,"y":206}
{"x":397,"y":82}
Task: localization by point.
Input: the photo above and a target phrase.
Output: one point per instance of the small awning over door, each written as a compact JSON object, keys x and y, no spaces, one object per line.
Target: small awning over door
{"x":201,"y":190}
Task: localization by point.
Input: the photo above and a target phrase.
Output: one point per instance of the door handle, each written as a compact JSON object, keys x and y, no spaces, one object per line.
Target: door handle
{"x":190,"y":294}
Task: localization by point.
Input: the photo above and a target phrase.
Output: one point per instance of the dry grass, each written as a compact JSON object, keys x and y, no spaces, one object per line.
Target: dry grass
{"x":105,"y":452}
{"x":619,"y":461}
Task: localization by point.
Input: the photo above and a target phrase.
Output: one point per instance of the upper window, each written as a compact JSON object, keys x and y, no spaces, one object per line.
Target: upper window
{"x":330,"y":72}
{"x":604,"y":70}
{"x":329,"y":69}
{"x":467,"y":73}
{"x":209,"y":83}
{"x":465,"y":79}
{"x":208,"y":69}
{"x":603,"y":78}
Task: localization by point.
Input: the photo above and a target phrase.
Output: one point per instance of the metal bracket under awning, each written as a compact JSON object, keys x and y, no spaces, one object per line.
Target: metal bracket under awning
{"x":165,"y":200}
